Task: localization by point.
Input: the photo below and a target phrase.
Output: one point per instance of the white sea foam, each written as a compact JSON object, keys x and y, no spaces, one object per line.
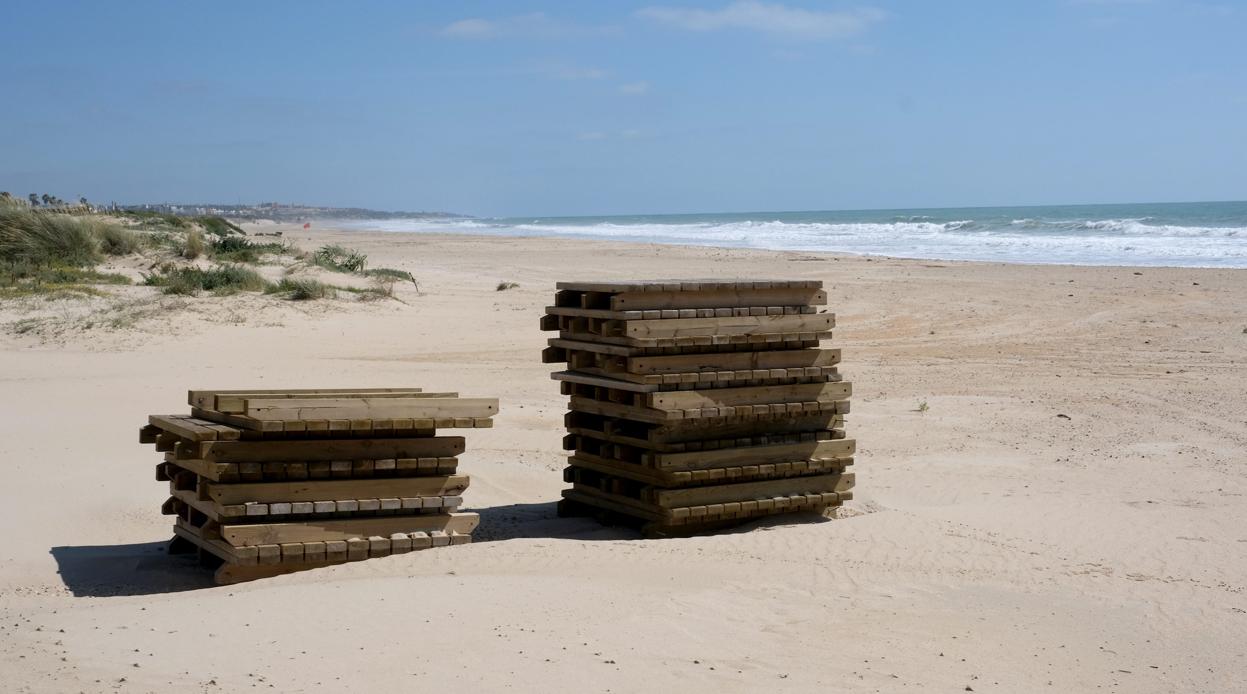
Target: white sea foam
{"x":1127,"y":241}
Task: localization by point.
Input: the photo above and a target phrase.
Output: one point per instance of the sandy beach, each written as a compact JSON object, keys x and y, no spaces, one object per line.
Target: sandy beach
{"x":1050,"y":492}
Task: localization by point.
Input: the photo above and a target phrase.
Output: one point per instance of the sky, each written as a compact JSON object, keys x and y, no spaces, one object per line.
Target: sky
{"x":583,"y":108}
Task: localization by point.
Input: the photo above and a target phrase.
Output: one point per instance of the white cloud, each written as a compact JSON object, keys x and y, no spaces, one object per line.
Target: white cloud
{"x":634,"y":88}
{"x":528,"y":26}
{"x":776,"y":20}
{"x":471,"y":29}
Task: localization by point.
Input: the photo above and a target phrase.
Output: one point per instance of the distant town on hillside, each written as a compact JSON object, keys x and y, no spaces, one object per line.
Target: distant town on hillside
{"x":283,"y":211}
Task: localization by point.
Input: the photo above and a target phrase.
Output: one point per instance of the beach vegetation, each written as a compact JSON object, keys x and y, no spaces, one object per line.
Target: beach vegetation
{"x":339,"y":259}
{"x":150,"y":219}
{"x":922,"y":407}
{"x":193,"y":245}
{"x":220,"y":280}
{"x":503,"y":286}
{"x":117,"y":240}
{"x":236,"y":249}
{"x":219,"y":226}
{"x":49,"y":239}
{"x":302,"y":289}
{"x":23,"y":278}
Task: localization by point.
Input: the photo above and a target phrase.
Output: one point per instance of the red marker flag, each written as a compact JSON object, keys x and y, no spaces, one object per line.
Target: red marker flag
{"x":307,"y":225}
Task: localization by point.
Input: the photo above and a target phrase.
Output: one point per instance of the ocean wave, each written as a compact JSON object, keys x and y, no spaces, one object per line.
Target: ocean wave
{"x":1127,"y":241}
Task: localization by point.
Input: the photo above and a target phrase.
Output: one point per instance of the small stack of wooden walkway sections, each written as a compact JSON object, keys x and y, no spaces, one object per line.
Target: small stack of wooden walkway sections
{"x":264,"y":482}
{"x":699,"y":404}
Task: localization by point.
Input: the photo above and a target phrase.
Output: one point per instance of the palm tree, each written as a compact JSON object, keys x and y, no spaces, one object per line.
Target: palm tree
{"x":34,"y":200}
{"x":47,"y":199}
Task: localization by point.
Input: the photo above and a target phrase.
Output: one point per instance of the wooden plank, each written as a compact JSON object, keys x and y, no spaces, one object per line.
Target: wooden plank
{"x":722,"y":298}
{"x":206,"y":399}
{"x":744,"y":491}
{"x":667,"y":314}
{"x":687,"y":285}
{"x":192,"y":428}
{"x":749,"y":395}
{"x":733,"y":361}
{"x":370,"y":408}
{"x":333,"y":490}
{"x":754,"y":455}
{"x":699,"y":342}
{"x":308,"y":450}
{"x":345,"y":528}
{"x":735,"y":325}
{"x":237,"y":403}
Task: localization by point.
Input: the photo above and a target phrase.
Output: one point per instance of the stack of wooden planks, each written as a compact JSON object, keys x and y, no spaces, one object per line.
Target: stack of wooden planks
{"x":699,"y":404}
{"x":265,"y":482}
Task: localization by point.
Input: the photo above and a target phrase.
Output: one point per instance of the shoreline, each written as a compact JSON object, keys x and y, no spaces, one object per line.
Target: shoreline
{"x":336,"y":226}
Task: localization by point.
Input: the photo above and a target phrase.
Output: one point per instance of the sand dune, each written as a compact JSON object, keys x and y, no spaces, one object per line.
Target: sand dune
{"x":1067,"y":514}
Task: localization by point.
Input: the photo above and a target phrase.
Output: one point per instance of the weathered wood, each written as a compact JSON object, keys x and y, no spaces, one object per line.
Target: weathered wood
{"x":237,"y":403}
{"x":369,"y":408}
{"x":736,"y":325}
{"x":760,"y":395}
{"x":687,"y":285}
{"x":330,"y":449}
{"x":192,"y":428}
{"x":333,"y":490}
{"x":733,"y":361}
{"x":745,"y":491}
{"x":754,"y":455}
{"x":345,"y":528}
{"x":207,"y":399}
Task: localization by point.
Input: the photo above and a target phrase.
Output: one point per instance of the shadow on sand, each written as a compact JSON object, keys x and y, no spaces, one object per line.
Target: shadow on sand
{"x":147,"y":568}
{"x":137,"y":569}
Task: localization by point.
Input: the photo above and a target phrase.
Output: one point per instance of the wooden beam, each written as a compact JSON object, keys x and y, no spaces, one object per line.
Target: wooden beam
{"x":206,"y":399}
{"x":266,"y":409}
{"x":330,"y":449}
{"x":345,"y":528}
{"x":333,"y":490}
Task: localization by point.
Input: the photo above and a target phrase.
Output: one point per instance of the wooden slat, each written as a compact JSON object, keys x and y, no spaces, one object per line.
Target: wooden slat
{"x":330,"y":449}
{"x":736,"y":325}
{"x":207,"y":399}
{"x":345,"y":528}
{"x":333,"y":490}
{"x":757,"y":395}
{"x":369,"y":408}
{"x":237,"y":403}
{"x":192,"y":428}
{"x":733,"y":361}
{"x":744,"y":491}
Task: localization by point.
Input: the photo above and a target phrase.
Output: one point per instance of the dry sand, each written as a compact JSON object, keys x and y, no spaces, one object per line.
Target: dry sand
{"x":1067,"y":515}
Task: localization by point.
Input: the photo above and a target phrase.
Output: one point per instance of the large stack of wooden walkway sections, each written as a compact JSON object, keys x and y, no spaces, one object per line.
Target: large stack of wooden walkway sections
{"x":265,"y":482}
{"x":699,"y":404}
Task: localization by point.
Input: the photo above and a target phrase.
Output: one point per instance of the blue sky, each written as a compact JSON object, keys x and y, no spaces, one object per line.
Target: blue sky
{"x":517,"y":108}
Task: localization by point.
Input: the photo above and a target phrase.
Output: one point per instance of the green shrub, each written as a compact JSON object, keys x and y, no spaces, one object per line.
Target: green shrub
{"x":236,"y":249}
{"x":49,"y":239}
{"x":391,"y":274}
{"x":218,"y":226}
{"x":115,"y":240}
{"x":155,"y":219}
{"x":20,"y":278}
{"x":193,"y":246}
{"x":303,"y":289}
{"x":339,"y":259}
{"x":222,"y":279}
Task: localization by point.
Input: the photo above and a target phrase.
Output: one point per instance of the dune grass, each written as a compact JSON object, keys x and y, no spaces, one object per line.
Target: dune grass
{"x":236,"y":249}
{"x":339,"y":259}
{"x":220,"y":280}
{"x":303,"y":289}
{"x":219,"y":226}
{"x":193,"y":245}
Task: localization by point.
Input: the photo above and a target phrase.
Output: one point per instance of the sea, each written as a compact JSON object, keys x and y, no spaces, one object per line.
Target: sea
{"x":1203,"y":234}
